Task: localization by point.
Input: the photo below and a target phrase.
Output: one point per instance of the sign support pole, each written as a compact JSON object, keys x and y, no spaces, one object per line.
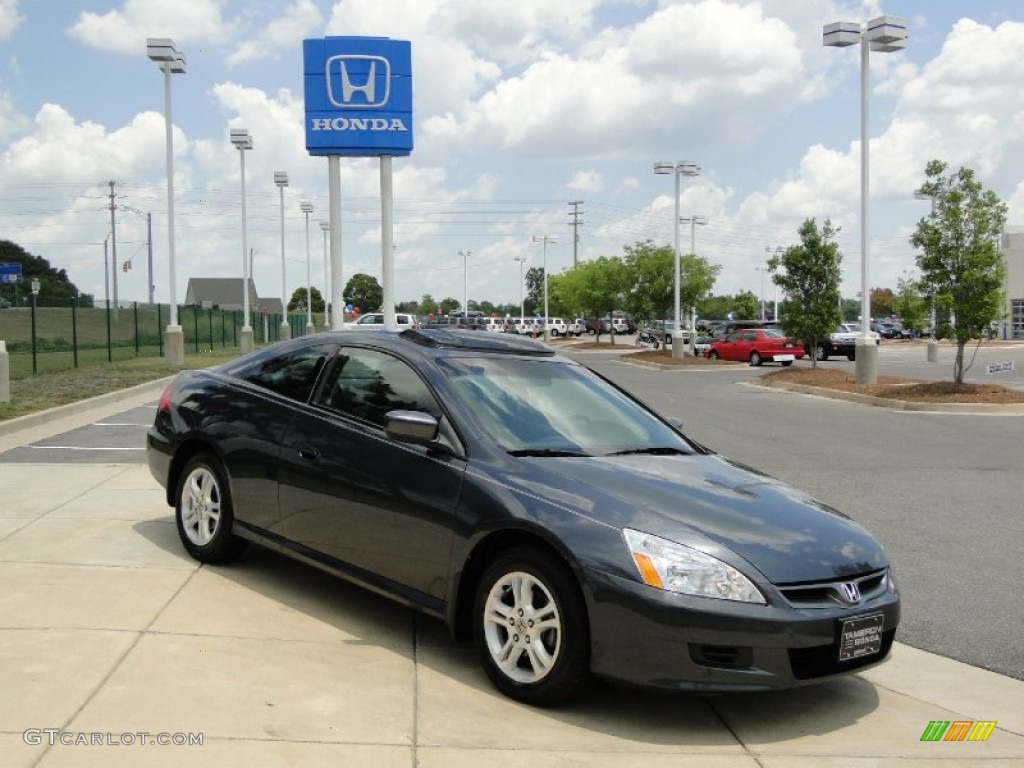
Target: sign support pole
{"x":334,"y":219}
{"x":387,"y":241}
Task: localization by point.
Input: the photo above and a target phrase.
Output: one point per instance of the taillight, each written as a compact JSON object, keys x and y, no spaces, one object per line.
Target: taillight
{"x":165,"y":399}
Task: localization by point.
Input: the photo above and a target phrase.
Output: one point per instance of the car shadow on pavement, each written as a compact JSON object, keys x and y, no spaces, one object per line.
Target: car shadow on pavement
{"x":264,"y":595}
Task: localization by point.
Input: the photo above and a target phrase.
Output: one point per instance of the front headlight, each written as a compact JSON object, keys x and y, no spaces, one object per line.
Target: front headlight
{"x":664,"y":564}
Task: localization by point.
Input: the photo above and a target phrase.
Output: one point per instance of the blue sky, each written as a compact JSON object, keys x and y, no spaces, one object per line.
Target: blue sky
{"x":519,"y":108}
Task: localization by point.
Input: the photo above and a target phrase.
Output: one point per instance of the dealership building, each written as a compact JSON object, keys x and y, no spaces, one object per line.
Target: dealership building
{"x":1012,"y":247}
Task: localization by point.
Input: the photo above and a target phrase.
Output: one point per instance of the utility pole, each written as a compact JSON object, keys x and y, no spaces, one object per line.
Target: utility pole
{"x":576,"y":223}
{"x":113,"y":240}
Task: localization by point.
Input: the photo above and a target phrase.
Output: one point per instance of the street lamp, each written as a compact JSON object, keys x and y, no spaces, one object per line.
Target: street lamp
{"x":465,"y":285}
{"x":522,"y":307}
{"x":307,"y":208}
{"x":325,"y":227}
{"x":932,"y":355}
{"x":682,"y":168}
{"x":691,"y":322}
{"x":242,"y":140}
{"x":171,"y":61}
{"x":281,"y":179}
{"x":883,"y":34}
{"x":545,"y":239}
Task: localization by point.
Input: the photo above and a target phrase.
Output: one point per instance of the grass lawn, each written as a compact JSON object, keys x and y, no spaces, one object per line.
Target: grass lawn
{"x":49,"y":389}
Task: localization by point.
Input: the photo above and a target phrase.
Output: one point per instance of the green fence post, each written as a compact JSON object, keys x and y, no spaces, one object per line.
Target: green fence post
{"x":34,"y":370}
{"x":209,"y":321}
{"x":74,"y":329}
{"x":135,"y":312}
{"x":110,"y":349}
{"x":195,"y":326}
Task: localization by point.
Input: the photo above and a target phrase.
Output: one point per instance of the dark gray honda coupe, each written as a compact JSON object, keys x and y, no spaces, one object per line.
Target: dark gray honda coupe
{"x":537,"y":508}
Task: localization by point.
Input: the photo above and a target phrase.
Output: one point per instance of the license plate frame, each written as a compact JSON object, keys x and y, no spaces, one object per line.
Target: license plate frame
{"x":861,"y":636}
{"x":786,"y":358}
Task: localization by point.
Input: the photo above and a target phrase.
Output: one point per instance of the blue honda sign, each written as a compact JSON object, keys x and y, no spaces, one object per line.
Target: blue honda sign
{"x":10,"y":272}
{"x":358,"y":93}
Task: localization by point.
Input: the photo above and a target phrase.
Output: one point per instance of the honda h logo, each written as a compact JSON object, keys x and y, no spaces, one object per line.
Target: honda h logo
{"x":358,"y":81}
{"x":851,"y":592}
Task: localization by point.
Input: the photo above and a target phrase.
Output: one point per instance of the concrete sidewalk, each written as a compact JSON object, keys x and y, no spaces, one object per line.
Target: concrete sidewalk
{"x":108,"y":630}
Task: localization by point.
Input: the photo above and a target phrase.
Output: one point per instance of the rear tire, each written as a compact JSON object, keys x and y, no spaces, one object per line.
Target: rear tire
{"x":203,"y":511}
{"x":755,"y":358}
{"x":820,"y":353}
{"x":531,"y":628}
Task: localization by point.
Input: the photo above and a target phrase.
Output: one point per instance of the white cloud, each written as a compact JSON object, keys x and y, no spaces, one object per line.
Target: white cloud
{"x":586,"y":181}
{"x":300,"y":20}
{"x":9,"y":18}
{"x":184,"y":21}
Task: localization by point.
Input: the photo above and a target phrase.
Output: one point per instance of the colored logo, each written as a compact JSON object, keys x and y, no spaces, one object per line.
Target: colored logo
{"x":958,"y":730}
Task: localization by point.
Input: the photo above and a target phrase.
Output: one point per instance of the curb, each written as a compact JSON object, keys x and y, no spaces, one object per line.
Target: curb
{"x":897,"y":405}
{"x":146,"y":391}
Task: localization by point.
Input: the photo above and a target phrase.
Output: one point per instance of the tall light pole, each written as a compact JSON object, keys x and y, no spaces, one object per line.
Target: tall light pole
{"x":775,"y":292}
{"x":171,"y":61}
{"x":325,"y":227}
{"x":465,"y":285}
{"x":545,"y":239}
{"x":691,"y":321}
{"x":307,"y":208}
{"x":522,"y":307}
{"x":933,"y":344}
{"x":883,"y":34}
{"x":242,"y":140}
{"x":281,"y":179}
{"x":682,"y":168}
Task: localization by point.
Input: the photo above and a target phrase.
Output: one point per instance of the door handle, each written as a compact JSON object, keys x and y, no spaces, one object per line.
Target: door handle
{"x":308,"y":453}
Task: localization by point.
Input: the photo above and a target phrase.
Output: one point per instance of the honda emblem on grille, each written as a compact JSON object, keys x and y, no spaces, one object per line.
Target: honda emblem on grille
{"x":851,"y":592}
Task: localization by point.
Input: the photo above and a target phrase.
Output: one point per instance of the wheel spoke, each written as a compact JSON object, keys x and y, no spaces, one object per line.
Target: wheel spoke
{"x":497,"y":611}
{"x":540,"y":659}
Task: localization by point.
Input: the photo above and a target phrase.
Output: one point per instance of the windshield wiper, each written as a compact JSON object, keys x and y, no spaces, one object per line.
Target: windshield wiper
{"x":546,"y":452}
{"x":656,"y":450}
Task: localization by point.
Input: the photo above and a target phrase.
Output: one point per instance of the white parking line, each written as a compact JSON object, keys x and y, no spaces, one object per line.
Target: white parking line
{"x":79,"y":448}
{"x":117,"y":424}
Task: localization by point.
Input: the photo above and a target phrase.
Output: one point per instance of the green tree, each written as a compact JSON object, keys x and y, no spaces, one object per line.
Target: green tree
{"x":745,"y":306}
{"x":809,"y":275}
{"x":428,"y":305}
{"x":365,"y":292}
{"x":297,"y":303}
{"x":959,"y":257}
{"x":534,"y":299}
{"x":652,"y":281}
{"x":596,"y":287}
{"x":910,"y":304}
{"x":54,"y":285}
{"x":447,"y":304}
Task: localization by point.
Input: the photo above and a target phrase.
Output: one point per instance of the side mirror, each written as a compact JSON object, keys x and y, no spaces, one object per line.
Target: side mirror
{"x":411,"y":427}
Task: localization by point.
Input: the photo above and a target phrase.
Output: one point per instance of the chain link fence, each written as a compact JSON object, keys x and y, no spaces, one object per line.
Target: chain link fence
{"x":62,"y":335}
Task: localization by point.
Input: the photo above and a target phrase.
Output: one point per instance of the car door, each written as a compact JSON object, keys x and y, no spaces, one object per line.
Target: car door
{"x":350,"y":492}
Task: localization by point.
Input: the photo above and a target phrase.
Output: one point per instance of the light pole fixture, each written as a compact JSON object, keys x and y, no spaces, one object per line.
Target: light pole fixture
{"x":522,"y":307}
{"x":325,"y":227}
{"x":545,"y":239}
{"x":171,"y":62}
{"x":307,"y":208}
{"x":281,"y":179}
{"x":682,"y":168}
{"x":465,"y":285}
{"x":691,"y":320}
{"x":932,"y":355}
{"x":884,"y":35}
{"x":242,"y":140}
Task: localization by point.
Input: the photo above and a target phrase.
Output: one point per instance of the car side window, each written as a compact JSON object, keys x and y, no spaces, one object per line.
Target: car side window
{"x":292,"y":374}
{"x":366,"y":384}
{"x":750,"y":336}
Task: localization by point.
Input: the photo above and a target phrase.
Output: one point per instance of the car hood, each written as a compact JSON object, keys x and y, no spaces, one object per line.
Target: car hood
{"x":784,"y":533}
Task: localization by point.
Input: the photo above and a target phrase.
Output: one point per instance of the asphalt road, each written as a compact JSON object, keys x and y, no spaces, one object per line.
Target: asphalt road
{"x":941,"y":491}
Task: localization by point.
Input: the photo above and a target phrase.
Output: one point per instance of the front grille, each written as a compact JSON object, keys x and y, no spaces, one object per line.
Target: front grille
{"x":832,"y":593}
{"x":823,"y":660}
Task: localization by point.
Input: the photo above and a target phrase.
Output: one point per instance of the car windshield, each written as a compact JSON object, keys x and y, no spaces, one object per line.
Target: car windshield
{"x":552,"y":408}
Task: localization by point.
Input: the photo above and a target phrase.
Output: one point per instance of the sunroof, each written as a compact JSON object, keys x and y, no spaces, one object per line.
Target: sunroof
{"x":485,"y":341}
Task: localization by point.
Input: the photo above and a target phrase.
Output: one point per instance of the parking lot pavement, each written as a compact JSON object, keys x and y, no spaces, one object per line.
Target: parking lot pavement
{"x":108,"y":631}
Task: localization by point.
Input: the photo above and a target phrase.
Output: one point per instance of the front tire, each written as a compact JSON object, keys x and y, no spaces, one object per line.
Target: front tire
{"x":531,"y":628}
{"x":713,"y":355}
{"x":203,"y":511}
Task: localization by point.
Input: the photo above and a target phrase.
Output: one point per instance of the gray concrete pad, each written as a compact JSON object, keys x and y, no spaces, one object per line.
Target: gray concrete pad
{"x":107,"y":628}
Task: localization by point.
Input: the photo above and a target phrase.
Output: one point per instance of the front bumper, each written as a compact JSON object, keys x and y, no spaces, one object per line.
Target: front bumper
{"x":657,"y":639}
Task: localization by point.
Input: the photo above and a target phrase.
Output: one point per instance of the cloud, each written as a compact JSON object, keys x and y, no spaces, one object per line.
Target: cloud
{"x":586,"y":181}
{"x":300,"y":20}
{"x":184,"y":21}
{"x":9,"y":18}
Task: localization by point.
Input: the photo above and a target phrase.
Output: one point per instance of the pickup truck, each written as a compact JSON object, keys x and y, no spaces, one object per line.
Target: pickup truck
{"x":842,"y":341}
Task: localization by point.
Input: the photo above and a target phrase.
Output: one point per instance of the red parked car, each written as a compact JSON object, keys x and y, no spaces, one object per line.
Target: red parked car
{"x":756,"y":345}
